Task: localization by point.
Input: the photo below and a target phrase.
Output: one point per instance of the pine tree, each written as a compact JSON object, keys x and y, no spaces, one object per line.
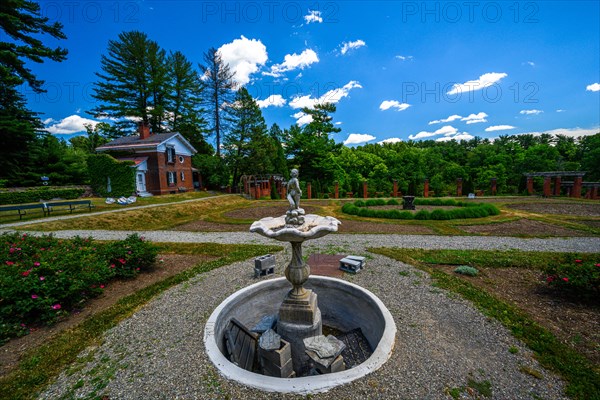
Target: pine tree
{"x":219,"y":91}
{"x":20,"y":20}
{"x":132,"y":84}
{"x":247,"y":145}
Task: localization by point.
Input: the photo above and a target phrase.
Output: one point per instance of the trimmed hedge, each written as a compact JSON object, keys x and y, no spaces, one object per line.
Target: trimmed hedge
{"x":121,"y":174}
{"x":466,"y":210}
{"x":39,"y":194}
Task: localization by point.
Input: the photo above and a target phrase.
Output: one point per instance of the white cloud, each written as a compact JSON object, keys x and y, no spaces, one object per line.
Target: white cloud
{"x":499,"y":128}
{"x":475,"y":118}
{"x":573,"y":132}
{"x":483,"y":81}
{"x":387,"y":104}
{"x":48,"y":121}
{"x":530,"y":63}
{"x":244,"y":57}
{"x":390,"y":140}
{"x":294,"y":61}
{"x":404,"y":58}
{"x":594,"y":87}
{"x":449,"y":119}
{"x":332,"y":96}
{"x":275,"y":100}
{"x":356,"y":138}
{"x":70,"y":124}
{"x":302,"y":119}
{"x":458,"y":137}
{"x":445,"y":130}
{"x":560,"y":110}
{"x":338,"y":123}
{"x":313,"y":16}
{"x":346,"y":46}
{"x":530,"y":112}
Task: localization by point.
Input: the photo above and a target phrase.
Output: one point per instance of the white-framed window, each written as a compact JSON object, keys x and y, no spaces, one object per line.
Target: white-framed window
{"x":182,"y":176}
{"x":170,"y":155}
{"x":171,"y":177}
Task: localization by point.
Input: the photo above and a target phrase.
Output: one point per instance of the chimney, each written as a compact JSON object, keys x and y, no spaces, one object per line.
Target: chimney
{"x":143,"y":130}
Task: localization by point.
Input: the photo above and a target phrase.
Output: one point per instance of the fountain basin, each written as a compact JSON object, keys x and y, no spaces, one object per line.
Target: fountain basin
{"x":344,"y":306}
{"x":314,"y":227}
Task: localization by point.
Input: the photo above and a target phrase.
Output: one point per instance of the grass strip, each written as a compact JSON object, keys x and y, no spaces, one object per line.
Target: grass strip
{"x":582,"y":381}
{"x":38,"y":368}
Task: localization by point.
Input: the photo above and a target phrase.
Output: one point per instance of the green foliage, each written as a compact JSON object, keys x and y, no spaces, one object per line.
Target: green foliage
{"x":465,"y":210}
{"x":37,"y":194}
{"x":43,"y":278}
{"x":102,"y":167}
{"x":579,"y":277}
{"x":466,"y":270}
{"x":213,"y":170}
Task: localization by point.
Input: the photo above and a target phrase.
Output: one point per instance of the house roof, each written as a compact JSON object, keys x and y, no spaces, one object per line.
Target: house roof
{"x":136,"y":160}
{"x":153,"y":141}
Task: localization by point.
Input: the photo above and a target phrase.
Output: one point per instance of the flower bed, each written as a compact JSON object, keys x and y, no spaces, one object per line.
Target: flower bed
{"x":42,"y":278}
{"x":463,"y":210}
{"x":578,"y":277}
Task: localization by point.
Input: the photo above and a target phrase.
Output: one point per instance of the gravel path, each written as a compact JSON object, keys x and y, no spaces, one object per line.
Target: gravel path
{"x":441,"y":344}
{"x":580,"y":244}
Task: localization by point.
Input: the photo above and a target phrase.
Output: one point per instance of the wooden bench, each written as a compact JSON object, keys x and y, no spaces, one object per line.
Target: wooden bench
{"x":72,"y":205}
{"x":22,"y":208}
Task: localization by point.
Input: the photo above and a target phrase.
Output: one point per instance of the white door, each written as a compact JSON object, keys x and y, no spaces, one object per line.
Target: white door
{"x":140,"y":182}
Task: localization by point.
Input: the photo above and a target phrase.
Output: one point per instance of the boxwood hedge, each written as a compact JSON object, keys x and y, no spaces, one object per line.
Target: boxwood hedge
{"x":464,"y":210}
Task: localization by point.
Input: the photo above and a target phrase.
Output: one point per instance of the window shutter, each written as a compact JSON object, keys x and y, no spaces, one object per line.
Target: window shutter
{"x":167,"y":156}
{"x":175,"y":177}
{"x":167,"y":177}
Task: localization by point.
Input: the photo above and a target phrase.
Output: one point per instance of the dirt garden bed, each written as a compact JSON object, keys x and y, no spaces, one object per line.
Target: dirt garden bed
{"x":525,"y":227}
{"x":574,"y":322}
{"x":172,"y":264}
{"x":579,"y":209}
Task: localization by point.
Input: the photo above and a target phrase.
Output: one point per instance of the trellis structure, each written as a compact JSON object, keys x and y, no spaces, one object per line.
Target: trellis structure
{"x":573,"y":187}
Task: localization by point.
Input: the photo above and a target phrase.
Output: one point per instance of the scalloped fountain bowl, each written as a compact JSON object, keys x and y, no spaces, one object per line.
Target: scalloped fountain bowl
{"x":314,"y":227}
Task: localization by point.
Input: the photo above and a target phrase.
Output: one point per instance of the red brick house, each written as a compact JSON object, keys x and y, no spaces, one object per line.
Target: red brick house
{"x":163,"y":161}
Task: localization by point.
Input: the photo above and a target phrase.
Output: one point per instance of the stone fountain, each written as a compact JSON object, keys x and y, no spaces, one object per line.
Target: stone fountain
{"x":302,"y":309}
{"x":299,"y":314}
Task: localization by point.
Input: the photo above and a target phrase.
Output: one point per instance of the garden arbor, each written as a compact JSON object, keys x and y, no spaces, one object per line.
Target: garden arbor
{"x":573,"y":187}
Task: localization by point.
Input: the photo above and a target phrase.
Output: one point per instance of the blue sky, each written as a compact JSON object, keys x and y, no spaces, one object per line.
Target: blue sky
{"x":397,"y":70}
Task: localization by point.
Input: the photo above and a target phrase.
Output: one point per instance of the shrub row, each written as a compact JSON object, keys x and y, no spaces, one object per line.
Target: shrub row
{"x":42,"y":278}
{"x":38,"y":194}
{"x":466,"y":210}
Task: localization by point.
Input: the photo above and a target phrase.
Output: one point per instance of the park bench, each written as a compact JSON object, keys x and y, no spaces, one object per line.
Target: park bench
{"x":72,"y":205}
{"x":22,"y":208}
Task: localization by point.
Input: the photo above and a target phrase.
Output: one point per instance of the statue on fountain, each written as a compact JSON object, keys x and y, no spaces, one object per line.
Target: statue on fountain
{"x":294,"y":215}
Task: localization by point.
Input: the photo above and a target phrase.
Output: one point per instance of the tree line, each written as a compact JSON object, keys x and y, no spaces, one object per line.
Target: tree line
{"x":139,"y":81}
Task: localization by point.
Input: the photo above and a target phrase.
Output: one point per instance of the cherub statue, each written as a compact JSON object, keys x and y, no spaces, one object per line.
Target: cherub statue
{"x":294,"y":215}
{"x":294,"y":192}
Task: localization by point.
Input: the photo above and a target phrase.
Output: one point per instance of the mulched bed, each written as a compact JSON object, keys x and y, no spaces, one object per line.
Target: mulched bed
{"x":581,"y":209}
{"x":521,"y":227}
{"x":172,"y":264}
{"x":574,"y":322}
{"x":350,"y":226}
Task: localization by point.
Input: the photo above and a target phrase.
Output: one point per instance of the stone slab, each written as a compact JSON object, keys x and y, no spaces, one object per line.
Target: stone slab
{"x":269,"y":340}
{"x":350,"y":265}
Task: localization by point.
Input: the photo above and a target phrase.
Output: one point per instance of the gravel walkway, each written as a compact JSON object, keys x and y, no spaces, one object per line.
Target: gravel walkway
{"x":442,"y":343}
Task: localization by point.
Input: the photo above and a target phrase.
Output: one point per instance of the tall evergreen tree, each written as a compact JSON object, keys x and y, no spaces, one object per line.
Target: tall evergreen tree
{"x":219,"y":91}
{"x":247,"y":144}
{"x":132,"y":82}
{"x":184,"y":100}
{"x":20,"y":20}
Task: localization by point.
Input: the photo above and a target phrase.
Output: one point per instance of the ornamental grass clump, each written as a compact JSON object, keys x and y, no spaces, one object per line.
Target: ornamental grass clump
{"x":466,"y":270}
{"x":43,"y":278}
{"x":577,"y":277}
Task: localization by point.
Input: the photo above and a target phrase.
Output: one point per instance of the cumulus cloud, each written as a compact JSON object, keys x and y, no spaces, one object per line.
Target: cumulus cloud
{"x":244,"y":57}
{"x":332,"y":96}
{"x":346,"y":46}
{"x":458,"y":137}
{"x":594,"y":87}
{"x":69,"y":125}
{"x":356,"y":138}
{"x":387,"y":104}
{"x":446,"y":130}
{"x":573,"y":132}
{"x":483,"y":81}
{"x":499,"y":128}
{"x":302,"y":118}
{"x":530,"y":112}
{"x":475,"y":118}
{"x":313,"y":16}
{"x":449,"y":119}
{"x":274,"y":100}
{"x":390,"y":140}
{"x":404,"y":58}
{"x":294,"y":61}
